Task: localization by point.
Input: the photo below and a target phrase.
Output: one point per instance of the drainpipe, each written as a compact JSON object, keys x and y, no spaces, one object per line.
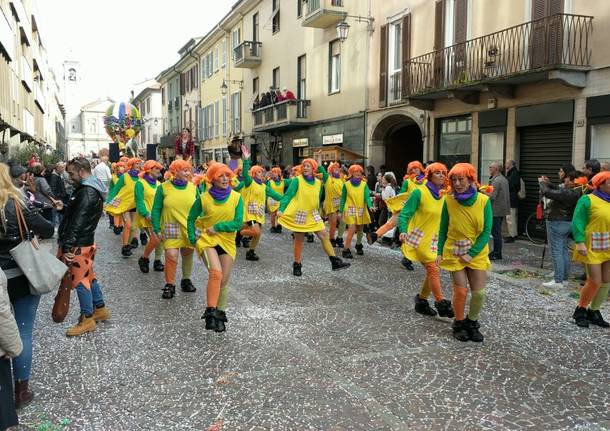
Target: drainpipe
{"x":370,"y":30}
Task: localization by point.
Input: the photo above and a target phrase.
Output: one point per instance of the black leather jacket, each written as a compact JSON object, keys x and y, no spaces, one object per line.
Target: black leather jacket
{"x":563,"y":202}
{"x":77,"y":228}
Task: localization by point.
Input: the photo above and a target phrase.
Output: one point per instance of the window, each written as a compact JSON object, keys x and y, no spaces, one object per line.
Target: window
{"x":148,"y":105}
{"x":216,"y":60}
{"x":255,"y":86}
{"x":275,"y":17}
{"x":395,"y":60}
{"x":255,"y":27}
{"x":224,"y":52}
{"x":216,"y":119}
{"x":236,"y":38}
{"x":492,"y":149}
{"x":224,"y":115}
{"x":203,"y":70}
{"x":276,"y":78}
{"x":454,"y":140}
{"x":299,"y":8}
{"x":210,"y":64}
{"x":163,"y":96}
{"x":302,"y":77}
{"x":196,"y":76}
{"x":236,"y":112}
{"x":334,"y":67}
{"x":211,"y":121}
{"x":600,"y":136}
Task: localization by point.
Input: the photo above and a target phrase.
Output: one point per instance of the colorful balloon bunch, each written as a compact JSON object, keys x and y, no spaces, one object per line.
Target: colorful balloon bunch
{"x":122,"y":122}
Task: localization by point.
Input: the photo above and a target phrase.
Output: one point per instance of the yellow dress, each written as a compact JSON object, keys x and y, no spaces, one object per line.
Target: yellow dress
{"x":465,"y":225}
{"x":303,"y":212}
{"x":422,"y":233}
{"x":176,"y":206}
{"x":149,"y":198}
{"x":254,"y":197}
{"x":332,"y":194}
{"x":124,"y":199}
{"x":355,"y":210}
{"x":272,"y":204}
{"x":214,"y":213}
{"x":396,"y":203}
{"x":597,"y":233}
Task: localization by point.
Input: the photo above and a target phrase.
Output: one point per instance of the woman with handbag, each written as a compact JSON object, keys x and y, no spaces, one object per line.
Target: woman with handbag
{"x":24,"y":303}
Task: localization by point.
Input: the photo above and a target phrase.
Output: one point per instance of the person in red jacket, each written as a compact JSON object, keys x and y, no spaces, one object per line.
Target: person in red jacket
{"x":184,"y":145}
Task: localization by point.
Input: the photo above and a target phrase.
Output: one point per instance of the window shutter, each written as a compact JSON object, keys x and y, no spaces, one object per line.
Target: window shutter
{"x":406,"y":55}
{"x":182,"y":79}
{"x":555,"y":6}
{"x":439,"y":28}
{"x":461,"y":21}
{"x":383,"y":67}
{"x":539,"y":9}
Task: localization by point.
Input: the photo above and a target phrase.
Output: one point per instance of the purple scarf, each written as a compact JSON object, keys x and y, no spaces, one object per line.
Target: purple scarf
{"x":150,"y":180}
{"x":179,"y":183}
{"x":336,"y":174}
{"x":355,"y":181}
{"x":240,"y":178}
{"x":420,"y":178}
{"x":219,"y":194}
{"x":434,"y":189}
{"x":308,"y":177}
{"x":461,"y":197}
{"x":133,"y":173}
{"x":257,"y":181}
{"x":602,"y":195}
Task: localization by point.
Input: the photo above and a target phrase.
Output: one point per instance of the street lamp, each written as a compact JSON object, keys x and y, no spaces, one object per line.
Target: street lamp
{"x":342,"y":31}
{"x":343,"y":26}
{"x":224,"y":88}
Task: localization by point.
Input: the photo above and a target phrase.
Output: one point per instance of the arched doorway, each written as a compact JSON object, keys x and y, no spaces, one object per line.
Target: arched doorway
{"x":402,"y":142}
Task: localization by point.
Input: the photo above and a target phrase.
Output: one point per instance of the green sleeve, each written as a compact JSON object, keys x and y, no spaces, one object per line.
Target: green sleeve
{"x":156,"y":210}
{"x":287,"y":182}
{"x":442,"y":232}
{"x":117,"y":187}
{"x":408,"y":211}
{"x":272,"y":193}
{"x":404,"y":187}
{"x":483,"y":238}
{"x":195,"y":211}
{"x":235,"y":224}
{"x":367,"y":196}
{"x":239,"y":186}
{"x":138,"y":192}
{"x":322,"y":170}
{"x":343,"y":198}
{"x":290,"y":193}
{"x":580,"y":219}
{"x":246,"y":172}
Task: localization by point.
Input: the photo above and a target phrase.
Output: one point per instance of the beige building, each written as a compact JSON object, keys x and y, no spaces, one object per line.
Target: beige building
{"x":521,"y":79}
{"x":171,"y":112}
{"x":30,"y":106}
{"x":148,"y":102}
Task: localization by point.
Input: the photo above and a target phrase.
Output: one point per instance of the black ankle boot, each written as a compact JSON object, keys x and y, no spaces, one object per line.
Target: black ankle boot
{"x":143,"y":238}
{"x":347,"y":254}
{"x":472,"y":327}
{"x":169,"y":290}
{"x":340,"y":242}
{"x":143,"y":263}
{"x":126,"y":251}
{"x":245,"y":242}
{"x":359,"y":249}
{"x":117,"y":230}
{"x":134,"y":243}
{"x":309,"y":237}
{"x":210,"y":319}
{"x":296,"y":269}
{"x":371,"y":238}
{"x":460,"y":331}
{"x":580,"y":317}
{"x":251,"y":255}
{"x":333,"y":242}
{"x":221,"y":319}
{"x":337,"y":264}
{"x":407,"y":264}
{"x":187,"y":285}
{"x":158,"y":266}
{"x":279,"y":228}
{"x":595,"y":318}
{"x":444,"y":308}
{"x":423,"y":307}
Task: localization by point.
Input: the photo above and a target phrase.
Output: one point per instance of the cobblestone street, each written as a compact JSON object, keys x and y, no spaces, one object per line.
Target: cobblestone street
{"x":329,"y":351}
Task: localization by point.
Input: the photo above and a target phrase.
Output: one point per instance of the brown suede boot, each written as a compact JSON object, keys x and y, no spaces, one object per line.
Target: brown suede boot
{"x":23,"y":395}
{"x":101,"y":314}
{"x":85,"y":324}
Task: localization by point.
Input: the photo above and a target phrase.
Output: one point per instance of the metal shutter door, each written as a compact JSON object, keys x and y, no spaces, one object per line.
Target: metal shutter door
{"x":543,"y":149}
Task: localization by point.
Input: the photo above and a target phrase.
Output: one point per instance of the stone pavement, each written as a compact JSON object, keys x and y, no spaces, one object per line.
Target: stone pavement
{"x":328,"y":351}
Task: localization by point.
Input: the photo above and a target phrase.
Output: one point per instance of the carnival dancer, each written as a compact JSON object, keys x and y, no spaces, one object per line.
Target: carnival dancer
{"x":300,"y":212}
{"x":419,"y":223}
{"x":218,"y":215}
{"x":254,"y":193}
{"x":117,"y":170}
{"x":354,"y":206}
{"x":144,"y":192}
{"x":333,"y":188}
{"x":277,"y":184}
{"x":238,"y":185}
{"x":173,"y":201}
{"x":465,"y":228}
{"x":121,"y":202}
{"x":591,"y":230}
{"x":413,"y":180}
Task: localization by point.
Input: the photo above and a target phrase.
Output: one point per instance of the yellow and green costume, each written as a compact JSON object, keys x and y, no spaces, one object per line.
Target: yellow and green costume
{"x":144,"y":193}
{"x":170,"y":212}
{"x":355,"y":203}
{"x":300,"y":206}
{"x":121,"y":199}
{"x":591,"y":226}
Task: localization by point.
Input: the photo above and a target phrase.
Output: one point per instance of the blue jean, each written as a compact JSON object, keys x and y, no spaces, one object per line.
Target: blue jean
{"x":89,"y":298}
{"x":25,"y":315}
{"x":496,"y":232}
{"x":558,"y":233}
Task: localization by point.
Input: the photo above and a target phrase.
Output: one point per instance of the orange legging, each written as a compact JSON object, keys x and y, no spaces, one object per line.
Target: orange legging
{"x":351,"y":230}
{"x":332,"y":224}
{"x":432,"y":282}
{"x":127,"y":222}
{"x":273,"y":218}
{"x":388,"y":226}
{"x":253,"y":232}
{"x":153,"y":243}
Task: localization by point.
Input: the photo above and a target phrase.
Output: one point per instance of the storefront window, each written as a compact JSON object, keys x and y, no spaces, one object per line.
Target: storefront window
{"x":455,"y":140}
{"x":600,"y":136}
{"x":492,"y":150}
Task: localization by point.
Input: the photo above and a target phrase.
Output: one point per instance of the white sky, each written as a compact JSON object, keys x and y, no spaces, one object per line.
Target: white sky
{"x":122,"y":43}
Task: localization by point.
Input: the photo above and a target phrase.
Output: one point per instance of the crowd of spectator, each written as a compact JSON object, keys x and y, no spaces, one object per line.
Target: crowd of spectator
{"x":272,"y":97}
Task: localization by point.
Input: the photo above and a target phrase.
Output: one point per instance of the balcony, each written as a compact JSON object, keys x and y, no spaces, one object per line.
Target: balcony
{"x":552,"y":48}
{"x":27,"y":75}
{"x":323,"y":13}
{"x":247,"y":55}
{"x":287,"y":115}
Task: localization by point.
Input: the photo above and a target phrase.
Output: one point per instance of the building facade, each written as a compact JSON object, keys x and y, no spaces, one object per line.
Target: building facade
{"x":31,"y":110}
{"x":87,"y":134}
{"x":148,"y":102}
{"x":171,"y":112}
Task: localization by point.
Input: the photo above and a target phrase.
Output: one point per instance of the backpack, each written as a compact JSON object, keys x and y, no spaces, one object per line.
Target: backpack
{"x":521,"y":193}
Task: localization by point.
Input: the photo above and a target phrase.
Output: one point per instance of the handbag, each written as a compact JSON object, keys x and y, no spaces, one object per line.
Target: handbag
{"x":62,"y":300}
{"x":43,"y":270}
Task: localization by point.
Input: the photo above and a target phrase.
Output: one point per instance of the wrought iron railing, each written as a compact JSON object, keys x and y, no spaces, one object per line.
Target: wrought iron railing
{"x":561,"y":40}
{"x":247,"y":49}
{"x":282,"y":112}
{"x":395,"y":86}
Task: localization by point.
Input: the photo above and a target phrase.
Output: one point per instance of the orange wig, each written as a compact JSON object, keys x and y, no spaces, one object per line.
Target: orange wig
{"x":256,"y":169}
{"x":217,"y":170}
{"x":277,"y":171}
{"x":313,"y":163}
{"x":179,"y":165}
{"x":132,"y":163}
{"x":600,"y":179}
